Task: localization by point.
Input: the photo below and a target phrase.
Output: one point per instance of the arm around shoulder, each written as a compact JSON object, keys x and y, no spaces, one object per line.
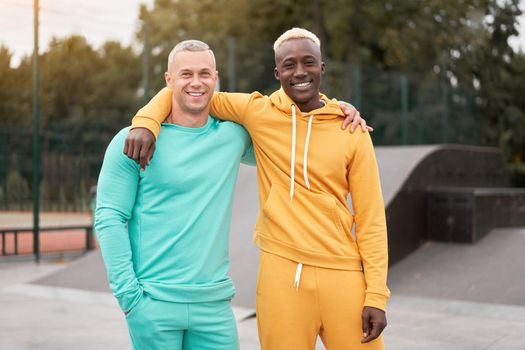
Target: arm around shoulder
{"x":155,"y":112}
{"x":234,"y":106}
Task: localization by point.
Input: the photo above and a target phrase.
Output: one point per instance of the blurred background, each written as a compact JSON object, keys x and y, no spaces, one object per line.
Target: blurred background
{"x":420,"y":72}
{"x":441,"y":81}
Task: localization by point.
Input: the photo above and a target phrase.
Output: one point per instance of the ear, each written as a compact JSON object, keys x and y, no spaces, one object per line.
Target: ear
{"x":167,"y":77}
{"x":322,"y":67}
{"x":276,"y":73}
{"x":216,"y":75}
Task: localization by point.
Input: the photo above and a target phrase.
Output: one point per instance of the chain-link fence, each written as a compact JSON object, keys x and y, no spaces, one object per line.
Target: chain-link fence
{"x":69,"y":171}
{"x":403,"y":109}
{"x":407,"y":109}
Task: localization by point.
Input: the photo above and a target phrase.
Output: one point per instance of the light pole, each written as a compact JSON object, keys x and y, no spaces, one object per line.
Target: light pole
{"x":36,"y":139}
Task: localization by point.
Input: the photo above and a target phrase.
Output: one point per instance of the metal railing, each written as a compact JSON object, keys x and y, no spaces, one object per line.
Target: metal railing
{"x":16,"y":232}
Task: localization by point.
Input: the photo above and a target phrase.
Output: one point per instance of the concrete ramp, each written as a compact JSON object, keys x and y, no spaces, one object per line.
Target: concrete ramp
{"x":396,"y":164}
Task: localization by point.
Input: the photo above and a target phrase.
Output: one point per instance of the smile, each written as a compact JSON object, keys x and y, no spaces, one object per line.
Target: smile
{"x":301,"y":85}
{"x":195,"y":94}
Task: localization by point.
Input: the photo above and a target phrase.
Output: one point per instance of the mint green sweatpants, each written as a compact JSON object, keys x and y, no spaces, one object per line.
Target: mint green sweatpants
{"x":162,"y":325}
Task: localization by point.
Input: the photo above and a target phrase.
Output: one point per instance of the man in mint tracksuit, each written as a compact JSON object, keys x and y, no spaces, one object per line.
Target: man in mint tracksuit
{"x":164,"y":231}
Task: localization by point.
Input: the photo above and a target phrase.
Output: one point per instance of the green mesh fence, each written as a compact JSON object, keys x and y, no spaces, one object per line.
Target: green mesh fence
{"x":69,"y":170}
{"x":407,"y":109}
{"x":403,"y":109}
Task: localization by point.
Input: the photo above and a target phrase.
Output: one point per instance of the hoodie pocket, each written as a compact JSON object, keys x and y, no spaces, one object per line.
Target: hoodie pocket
{"x":310,"y":221}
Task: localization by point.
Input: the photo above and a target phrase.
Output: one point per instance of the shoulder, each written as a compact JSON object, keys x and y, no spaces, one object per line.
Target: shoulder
{"x":116,"y":146}
{"x":359,"y":142}
{"x":120,"y":137}
{"x":233,"y":128}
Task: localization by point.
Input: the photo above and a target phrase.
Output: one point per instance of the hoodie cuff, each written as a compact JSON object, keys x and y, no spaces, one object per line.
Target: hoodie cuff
{"x":148,"y":123}
{"x":127,"y":301}
{"x":378,"y":301}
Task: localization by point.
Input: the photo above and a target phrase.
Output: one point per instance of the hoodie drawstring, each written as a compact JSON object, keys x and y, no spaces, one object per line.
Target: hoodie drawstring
{"x":292,"y":157}
{"x":298,"y":276}
{"x":292,"y":160}
{"x":306,"y":151}
{"x":305,"y":174}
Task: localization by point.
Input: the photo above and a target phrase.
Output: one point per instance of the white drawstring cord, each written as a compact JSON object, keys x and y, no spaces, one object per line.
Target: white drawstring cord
{"x":292,"y":161}
{"x":305,"y":171}
{"x":298,"y":276}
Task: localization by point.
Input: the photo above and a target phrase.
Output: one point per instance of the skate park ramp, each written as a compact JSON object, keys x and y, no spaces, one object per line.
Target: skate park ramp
{"x":406,"y":173}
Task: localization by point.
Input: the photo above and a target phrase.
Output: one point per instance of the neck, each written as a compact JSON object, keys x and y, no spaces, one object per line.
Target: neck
{"x":187,"y":119}
{"x":310,"y":105}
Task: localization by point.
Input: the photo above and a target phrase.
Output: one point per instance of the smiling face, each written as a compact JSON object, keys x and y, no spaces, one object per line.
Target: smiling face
{"x":192,"y":78}
{"x":298,"y":66}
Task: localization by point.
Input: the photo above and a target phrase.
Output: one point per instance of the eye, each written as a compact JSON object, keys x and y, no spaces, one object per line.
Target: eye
{"x":205,"y":74}
{"x":186,"y":75}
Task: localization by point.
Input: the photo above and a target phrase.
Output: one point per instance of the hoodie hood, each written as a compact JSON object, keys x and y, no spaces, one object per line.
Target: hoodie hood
{"x":330,"y":110}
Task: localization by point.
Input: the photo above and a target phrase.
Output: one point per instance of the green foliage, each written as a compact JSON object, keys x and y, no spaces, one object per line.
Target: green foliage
{"x":88,"y":94}
{"x":17,"y":189}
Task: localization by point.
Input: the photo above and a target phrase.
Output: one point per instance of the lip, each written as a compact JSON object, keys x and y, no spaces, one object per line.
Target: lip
{"x":302,"y":84}
{"x":195,"y":93}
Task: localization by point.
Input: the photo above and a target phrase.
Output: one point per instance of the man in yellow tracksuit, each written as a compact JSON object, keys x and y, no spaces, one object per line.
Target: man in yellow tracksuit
{"x":315,"y":276}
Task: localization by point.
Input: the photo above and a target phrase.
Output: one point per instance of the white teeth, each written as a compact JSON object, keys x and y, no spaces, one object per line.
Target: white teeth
{"x":302,"y":84}
{"x":195,"y":94}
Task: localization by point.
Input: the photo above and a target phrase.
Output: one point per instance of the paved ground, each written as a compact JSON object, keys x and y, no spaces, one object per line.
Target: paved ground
{"x":445,"y":297}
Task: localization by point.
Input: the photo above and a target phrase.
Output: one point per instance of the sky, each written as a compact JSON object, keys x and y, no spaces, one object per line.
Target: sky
{"x":97,"y":20}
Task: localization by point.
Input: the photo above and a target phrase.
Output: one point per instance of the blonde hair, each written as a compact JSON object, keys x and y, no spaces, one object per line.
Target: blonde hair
{"x":189,"y":45}
{"x":296,"y":33}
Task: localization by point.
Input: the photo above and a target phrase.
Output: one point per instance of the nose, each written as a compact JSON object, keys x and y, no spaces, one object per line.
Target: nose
{"x":299,"y":70}
{"x":195,"y":81}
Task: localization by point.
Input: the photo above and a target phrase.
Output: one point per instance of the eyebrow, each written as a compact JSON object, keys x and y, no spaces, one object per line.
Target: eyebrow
{"x":292,"y":58}
{"x":207,"y":70}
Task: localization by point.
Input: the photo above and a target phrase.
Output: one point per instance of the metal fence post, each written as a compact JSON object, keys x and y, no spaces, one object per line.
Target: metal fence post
{"x":145,"y":63}
{"x":357,"y":87}
{"x":404,"y":110}
{"x":445,"y":112}
{"x":36,"y":139}
{"x":232,"y":79}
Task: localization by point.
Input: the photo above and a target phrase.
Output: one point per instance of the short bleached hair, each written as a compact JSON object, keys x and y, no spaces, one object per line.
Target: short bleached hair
{"x":296,"y":33}
{"x":192,"y":46}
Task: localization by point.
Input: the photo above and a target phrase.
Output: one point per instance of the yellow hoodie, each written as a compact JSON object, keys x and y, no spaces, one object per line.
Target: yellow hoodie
{"x":306,"y":167}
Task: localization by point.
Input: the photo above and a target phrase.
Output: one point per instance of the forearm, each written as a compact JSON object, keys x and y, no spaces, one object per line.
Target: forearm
{"x":230,"y":106}
{"x":155,"y":112}
{"x":114,"y":243}
{"x":116,"y":194}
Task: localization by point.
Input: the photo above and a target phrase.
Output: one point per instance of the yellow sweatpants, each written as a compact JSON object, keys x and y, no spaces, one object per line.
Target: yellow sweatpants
{"x":295,"y":305}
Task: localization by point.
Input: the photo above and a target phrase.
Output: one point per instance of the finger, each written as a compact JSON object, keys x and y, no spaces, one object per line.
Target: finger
{"x":144,"y":161}
{"x":355,"y":122}
{"x":369,"y":128}
{"x":365,"y":324}
{"x":372,"y":334}
{"x":150,"y":153}
{"x":136,"y":152}
{"x":126,"y":146}
{"x":363,"y":125}
{"x":143,"y":157}
{"x":346,"y":122}
{"x":129,"y":147}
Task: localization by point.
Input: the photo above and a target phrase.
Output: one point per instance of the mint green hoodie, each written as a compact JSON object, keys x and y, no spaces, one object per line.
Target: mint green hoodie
{"x":164,"y":231}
